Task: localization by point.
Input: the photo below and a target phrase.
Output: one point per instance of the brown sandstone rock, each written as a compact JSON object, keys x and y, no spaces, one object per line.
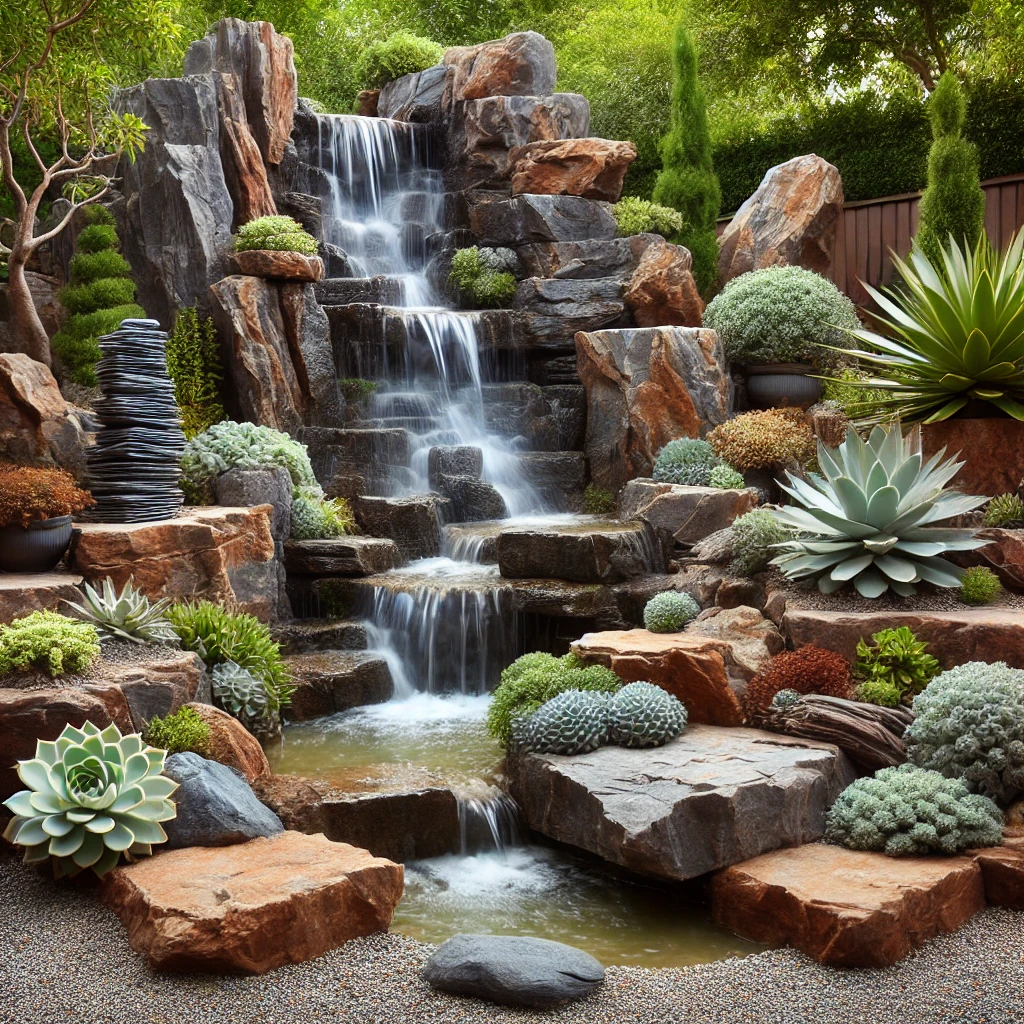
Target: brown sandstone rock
{"x":24,"y":593}
{"x":521,"y":64}
{"x":684,"y":515}
{"x":1002,"y":869}
{"x":366,"y":102}
{"x":592,"y":168}
{"x":662,"y":291}
{"x":844,"y":907}
{"x":232,"y":744}
{"x":992,"y":450}
{"x":224,"y":555}
{"x":279,"y":265}
{"x":646,"y":387}
{"x":790,"y":220}
{"x":37,"y":427}
{"x":1003,"y":554}
{"x":253,"y":906}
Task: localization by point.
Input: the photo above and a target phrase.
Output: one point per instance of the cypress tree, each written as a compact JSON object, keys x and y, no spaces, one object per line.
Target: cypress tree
{"x":687,"y":181}
{"x":953,"y":203}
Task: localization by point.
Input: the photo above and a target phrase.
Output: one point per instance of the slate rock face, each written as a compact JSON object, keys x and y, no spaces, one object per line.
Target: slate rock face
{"x":513,"y":970}
{"x":549,"y":311}
{"x":216,"y":806}
{"x":585,"y":259}
{"x":541,"y":219}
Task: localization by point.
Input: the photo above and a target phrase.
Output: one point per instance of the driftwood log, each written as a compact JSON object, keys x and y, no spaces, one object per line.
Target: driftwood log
{"x":870,"y":735}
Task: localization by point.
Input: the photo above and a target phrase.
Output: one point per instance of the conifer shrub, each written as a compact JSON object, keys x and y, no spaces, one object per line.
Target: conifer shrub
{"x":49,"y":642}
{"x":401,"y":53}
{"x":636,"y":216}
{"x":809,"y":669}
{"x":194,"y":363}
{"x":283,"y":234}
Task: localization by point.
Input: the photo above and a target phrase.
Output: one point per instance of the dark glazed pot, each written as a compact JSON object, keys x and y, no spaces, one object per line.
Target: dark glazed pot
{"x":36,"y":548}
{"x":770,"y":385}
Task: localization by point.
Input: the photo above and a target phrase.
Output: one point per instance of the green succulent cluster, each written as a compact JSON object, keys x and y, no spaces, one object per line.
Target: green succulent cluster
{"x":48,"y":641}
{"x":969,"y":725}
{"x":688,"y":461}
{"x":1003,"y":510}
{"x":572,"y":722}
{"x":282,"y":234}
{"x":181,"y":732}
{"x":908,"y":811}
{"x":318,"y":518}
{"x":669,"y":611}
{"x":893,"y":668}
{"x":597,"y":501}
{"x":725,"y":478}
{"x":644,"y":715}
{"x":636,"y":216}
{"x":979,"y":585}
{"x":483,"y":276}
{"x":534,"y":679}
{"x":128,"y":615}
{"x":755,"y":535}
{"x":92,"y":796}
{"x":238,"y":692}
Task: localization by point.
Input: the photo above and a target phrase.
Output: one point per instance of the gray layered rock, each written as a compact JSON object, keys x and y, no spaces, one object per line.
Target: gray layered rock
{"x":415,"y":98}
{"x":549,"y":312}
{"x":473,"y":500}
{"x":413,"y":523}
{"x":216,"y":806}
{"x":514,"y":970}
{"x":540,"y":219}
{"x":341,"y":556}
{"x":560,"y":476}
{"x":243,"y":488}
{"x":454,"y":460}
{"x":586,"y":259}
{"x":683,"y":515}
{"x":714,"y":796}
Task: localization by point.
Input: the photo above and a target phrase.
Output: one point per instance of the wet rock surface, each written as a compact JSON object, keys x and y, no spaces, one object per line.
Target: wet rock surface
{"x":331,"y":681}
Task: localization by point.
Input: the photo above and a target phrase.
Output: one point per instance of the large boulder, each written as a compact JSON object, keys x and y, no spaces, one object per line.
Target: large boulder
{"x":413,"y":523}
{"x":215,"y":805}
{"x":254,"y":906}
{"x":585,"y":259}
{"x":847,"y":908}
{"x":662,"y":291}
{"x":592,"y":168}
{"x":415,"y":98}
{"x":680,"y":514}
{"x":791,"y":220}
{"x":522,"y":219}
{"x":521,"y":64}
{"x":280,"y":265}
{"x":331,"y":681}
{"x":269,"y":485}
{"x":515,"y":970}
{"x":646,"y":387}
{"x":278,"y":352}
{"x":231,"y":743}
{"x":37,"y":427}
{"x":710,"y":798}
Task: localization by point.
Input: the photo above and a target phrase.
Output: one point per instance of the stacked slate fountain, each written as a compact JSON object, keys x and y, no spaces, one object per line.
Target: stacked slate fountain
{"x":133,"y":467}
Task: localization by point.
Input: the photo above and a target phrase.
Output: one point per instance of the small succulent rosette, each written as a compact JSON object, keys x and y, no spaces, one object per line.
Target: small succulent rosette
{"x":93,"y":795}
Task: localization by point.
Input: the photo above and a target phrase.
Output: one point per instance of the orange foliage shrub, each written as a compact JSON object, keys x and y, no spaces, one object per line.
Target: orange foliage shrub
{"x":809,"y":669}
{"x":28,"y":495}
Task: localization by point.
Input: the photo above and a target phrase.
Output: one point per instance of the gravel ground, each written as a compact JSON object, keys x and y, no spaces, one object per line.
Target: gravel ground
{"x":64,"y":959}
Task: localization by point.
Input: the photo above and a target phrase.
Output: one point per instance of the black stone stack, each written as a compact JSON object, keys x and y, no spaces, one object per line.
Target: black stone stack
{"x":133,"y":467}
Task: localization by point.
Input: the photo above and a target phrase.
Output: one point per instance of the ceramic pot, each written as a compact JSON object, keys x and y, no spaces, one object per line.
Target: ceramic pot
{"x":770,"y":385}
{"x":35,"y":548}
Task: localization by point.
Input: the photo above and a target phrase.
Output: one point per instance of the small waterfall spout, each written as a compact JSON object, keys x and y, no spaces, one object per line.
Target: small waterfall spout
{"x":488,"y":823}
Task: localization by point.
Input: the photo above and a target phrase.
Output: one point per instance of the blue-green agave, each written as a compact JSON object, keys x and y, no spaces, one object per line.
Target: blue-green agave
{"x":92,"y":796}
{"x":866,"y":518}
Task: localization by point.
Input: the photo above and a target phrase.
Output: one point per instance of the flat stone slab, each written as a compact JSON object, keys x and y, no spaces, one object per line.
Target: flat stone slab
{"x":514,"y":970}
{"x":583,"y":551}
{"x":331,"y":681}
{"x":252,"y":907}
{"x":1002,"y":869}
{"x":22,"y":594}
{"x":341,"y":556}
{"x":848,"y":908}
{"x":953,"y":635}
{"x":710,"y":798}
{"x":686,"y":515}
{"x":304,"y":635}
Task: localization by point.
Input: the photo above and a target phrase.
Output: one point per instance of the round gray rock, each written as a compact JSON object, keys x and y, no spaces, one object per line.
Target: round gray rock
{"x":514,"y":970}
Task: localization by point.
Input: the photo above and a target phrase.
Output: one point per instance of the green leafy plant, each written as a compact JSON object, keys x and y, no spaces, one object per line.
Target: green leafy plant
{"x":318,"y":518}
{"x":755,"y":535}
{"x":687,"y":181}
{"x":764,"y":439}
{"x":847,"y":388}
{"x":29,"y":495}
{"x":895,"y":660}
{"x":597,"y":501}
{"x":92,"y":796}
{"x":180,"y":732}
{"x":808,"y":669}
{"x":238,"y":692}
{"x":402,"y":53}
{"x":979,"y":585}
{"x":128,"y":615}
{"x":725,"y":478}
{"x":480,"y":277}
{"x":953,"y":204}
{"x":636,"y":216}
{"x":907,"y":811}
{"x":194,"y":363}
{"x":669,"y":611}
{"x":686,"y":460}
{"x":218,"y":635}
{"x":1003,"y":510}
{"x":969,"y":724}
{"x":47,"y":641}
{"x":954,"y":333}
{"x":781,"y":315}
{"x":275,"y":232}
{"x":868,"y":518}
{"x":98,"y":297}
{"x":571,"y":722}
{"x":534,"y":679}
{"x":644,"y":715}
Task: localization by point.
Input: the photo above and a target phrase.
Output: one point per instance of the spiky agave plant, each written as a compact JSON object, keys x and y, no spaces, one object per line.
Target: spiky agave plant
{"x":129,"y":615}
{"x":92,"y":796}
{"x":867,"y":517}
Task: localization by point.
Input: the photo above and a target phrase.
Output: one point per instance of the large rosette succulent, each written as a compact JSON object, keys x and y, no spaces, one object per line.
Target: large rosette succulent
{"x":92,"y":796}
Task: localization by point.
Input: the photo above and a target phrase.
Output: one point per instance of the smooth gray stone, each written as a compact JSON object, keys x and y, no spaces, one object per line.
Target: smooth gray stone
{"x":216,"y":806}
{"x":514,"y":970}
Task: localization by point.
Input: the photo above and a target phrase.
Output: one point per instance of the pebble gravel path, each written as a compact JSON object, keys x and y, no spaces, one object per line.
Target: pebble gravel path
{"x":64,"y":960}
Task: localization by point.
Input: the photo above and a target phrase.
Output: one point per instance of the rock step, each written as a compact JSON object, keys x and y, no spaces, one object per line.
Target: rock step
{"x":24,"y":593}
{"x":341,"y":556}
{"x":357,"y":460}
{"x":561,"y":476}
{"x":343,"y":291}
{"x":331,"y":681}
{"x":320,"y":635}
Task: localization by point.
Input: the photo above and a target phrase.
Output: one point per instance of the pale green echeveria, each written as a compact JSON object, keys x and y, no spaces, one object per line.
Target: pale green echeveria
{"x":867,"y":518}
{"x":93,"y":795}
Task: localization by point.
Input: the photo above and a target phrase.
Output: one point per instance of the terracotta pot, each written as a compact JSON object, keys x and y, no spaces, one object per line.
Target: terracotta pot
{"x":36,"y":548}
{"x":770,"y":385}
{"x":992,"y":450}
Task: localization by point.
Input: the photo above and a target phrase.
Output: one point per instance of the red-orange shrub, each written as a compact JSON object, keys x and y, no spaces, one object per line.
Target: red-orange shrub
{"x":809,"y":669}
{"x":28,"y":495}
